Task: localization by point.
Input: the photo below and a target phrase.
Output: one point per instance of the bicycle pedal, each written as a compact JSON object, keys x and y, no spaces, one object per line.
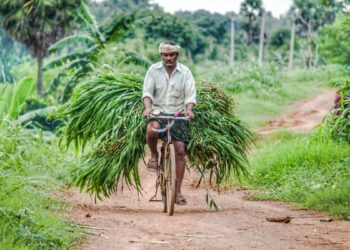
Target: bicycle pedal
{"x":155,"y":200}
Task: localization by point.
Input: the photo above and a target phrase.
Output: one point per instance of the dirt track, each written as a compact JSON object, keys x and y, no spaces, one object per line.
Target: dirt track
{"x":303,"y":115}
{"x":131,"y":222}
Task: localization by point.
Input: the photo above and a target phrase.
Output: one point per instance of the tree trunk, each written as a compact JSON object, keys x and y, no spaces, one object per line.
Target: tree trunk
{"x":262,"y":38}
{"x":309,"y":45}
{"x":291,"y":45}
{"x":232,"y":51}
{"x":40,"y":75}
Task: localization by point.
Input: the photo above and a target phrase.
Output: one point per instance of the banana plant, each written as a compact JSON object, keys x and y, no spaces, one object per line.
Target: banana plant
{"x":90,"y":44}
{"x":12,"y":98}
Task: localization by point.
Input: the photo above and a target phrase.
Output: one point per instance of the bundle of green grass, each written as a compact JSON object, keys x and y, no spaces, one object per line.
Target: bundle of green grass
{"x":336,"y":124}
{"x":106,"y":124}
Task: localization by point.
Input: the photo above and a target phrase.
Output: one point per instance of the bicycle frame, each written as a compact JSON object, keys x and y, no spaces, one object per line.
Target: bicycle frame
{"x":165,"y":158}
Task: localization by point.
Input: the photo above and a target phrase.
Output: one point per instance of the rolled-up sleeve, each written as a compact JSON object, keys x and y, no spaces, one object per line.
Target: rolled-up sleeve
{"x":148,"y":86}
{"x":190,"y":90}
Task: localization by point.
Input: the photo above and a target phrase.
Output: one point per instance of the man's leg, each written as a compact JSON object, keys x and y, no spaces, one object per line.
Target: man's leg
{"x":180,"y":164}
{"x":152,"y":140}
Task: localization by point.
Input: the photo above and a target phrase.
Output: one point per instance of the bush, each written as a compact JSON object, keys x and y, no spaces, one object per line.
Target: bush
{"x":244,"y":77}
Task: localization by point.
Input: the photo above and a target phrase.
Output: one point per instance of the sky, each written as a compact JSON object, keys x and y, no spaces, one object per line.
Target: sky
{"x":277,"y":7}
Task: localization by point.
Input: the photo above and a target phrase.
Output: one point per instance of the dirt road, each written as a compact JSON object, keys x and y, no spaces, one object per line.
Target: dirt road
{"x":131,"y":222}
{"x":303,"y":115}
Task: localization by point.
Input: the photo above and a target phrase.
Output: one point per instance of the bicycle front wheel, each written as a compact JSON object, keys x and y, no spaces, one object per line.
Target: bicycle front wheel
{"x":170,"y":179}
{"x":163,"y":179}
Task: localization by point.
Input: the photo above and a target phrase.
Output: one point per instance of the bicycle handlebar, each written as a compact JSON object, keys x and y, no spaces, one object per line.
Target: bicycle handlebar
{"x":170,"y":117}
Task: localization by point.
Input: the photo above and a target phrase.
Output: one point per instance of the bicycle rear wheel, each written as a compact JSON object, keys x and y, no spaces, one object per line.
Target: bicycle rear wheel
{"x":170,"y":178}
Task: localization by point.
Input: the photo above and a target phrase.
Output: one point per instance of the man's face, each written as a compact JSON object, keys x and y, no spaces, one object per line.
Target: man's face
{"x":169,"y":59}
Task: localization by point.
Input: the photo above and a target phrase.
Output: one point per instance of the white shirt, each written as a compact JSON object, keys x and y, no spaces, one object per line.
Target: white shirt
{"x":169,"y":94}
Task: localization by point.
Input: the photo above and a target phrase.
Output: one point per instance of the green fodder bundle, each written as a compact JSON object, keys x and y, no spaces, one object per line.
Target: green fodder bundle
{"x":336,"y":124}
{"x":106,"y":113}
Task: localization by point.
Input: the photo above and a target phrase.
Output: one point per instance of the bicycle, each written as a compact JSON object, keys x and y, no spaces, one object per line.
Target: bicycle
{"x":166,"y":173}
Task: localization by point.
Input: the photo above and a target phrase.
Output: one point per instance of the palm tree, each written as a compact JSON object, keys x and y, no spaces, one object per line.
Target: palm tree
{"x":37,"y":24}
{"x":91,"y":44}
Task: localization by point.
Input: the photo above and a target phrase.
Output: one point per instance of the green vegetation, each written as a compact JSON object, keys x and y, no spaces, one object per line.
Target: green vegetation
{"x":29,"y":216}
{"x":336,"y":124}
{"x":301,"y":169}
{"x":333,"y":43}
{"x":245,"y":77}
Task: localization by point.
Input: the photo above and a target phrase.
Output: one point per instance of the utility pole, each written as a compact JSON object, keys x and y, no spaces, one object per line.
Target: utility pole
{"x":262,"y":38}
{"x":232,"y":51}
{"x":309,"y":45}
{"x":291,"y":45}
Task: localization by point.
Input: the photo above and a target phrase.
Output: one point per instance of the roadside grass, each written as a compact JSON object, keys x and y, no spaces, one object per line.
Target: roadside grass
{"x":297,"y":168}
{"x":31,"y":168}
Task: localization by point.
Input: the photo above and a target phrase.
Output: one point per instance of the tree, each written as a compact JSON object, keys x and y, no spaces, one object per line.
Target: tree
{"x":176,"y":29}
{"x":280,"y":37}
{"x":209,"y":24}
{"x":333,"y":42}
{"x":310,"y":15}
{"x":109,"y":9}
{"x":91,"y":44}
{"x":37,"y":24}
{"x":250,"y":13}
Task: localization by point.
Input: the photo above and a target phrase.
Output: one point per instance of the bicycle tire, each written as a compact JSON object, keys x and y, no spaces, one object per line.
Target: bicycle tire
{"x":163,"y":179}
{"x":170,"y":179}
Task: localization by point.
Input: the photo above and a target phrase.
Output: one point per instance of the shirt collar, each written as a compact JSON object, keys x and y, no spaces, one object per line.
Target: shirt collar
{"x":178,"y":67}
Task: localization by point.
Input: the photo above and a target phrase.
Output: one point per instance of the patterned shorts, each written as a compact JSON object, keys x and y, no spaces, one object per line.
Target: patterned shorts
{"x":179,"y":131}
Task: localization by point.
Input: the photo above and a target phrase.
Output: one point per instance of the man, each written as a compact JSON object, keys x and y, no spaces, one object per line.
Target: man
{"x":170,"y":88}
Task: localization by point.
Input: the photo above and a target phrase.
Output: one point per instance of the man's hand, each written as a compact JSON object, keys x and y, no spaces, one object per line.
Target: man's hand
{"x":190,"y":114}
{"x":147,"y":113}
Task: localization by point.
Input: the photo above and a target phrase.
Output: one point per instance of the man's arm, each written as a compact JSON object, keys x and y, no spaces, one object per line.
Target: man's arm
{"x":190,"y":96}
{"x":188,"y":111}
{"x":147,"y":95}
{"x":147,"y":102}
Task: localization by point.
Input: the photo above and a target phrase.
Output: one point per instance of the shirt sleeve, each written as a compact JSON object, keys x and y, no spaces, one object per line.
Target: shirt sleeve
{"x":190,"y":90}
{"x":148,"y":86}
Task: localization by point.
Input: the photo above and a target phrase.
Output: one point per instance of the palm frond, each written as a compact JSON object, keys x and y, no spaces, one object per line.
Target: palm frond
{"x":137,"y":59}
{"x":72,"y":40}
{"x":87,"y":20}
{"x":65,"y":59}
{"x":32,"y":114}
{"x":75,"y":65}
{"x":80,"y":73}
